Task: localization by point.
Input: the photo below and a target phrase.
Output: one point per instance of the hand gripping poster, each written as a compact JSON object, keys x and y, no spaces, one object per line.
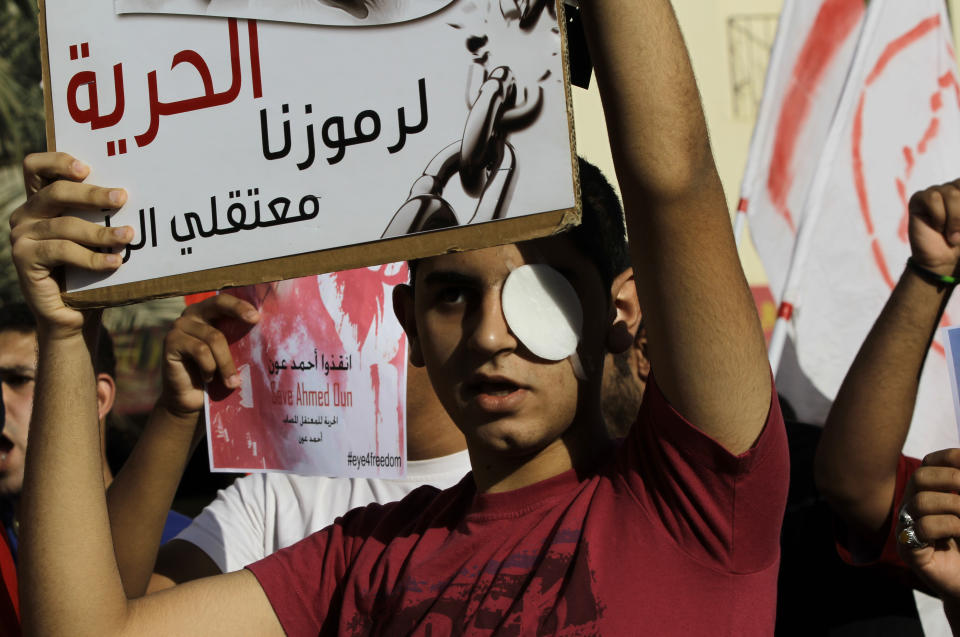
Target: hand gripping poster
{"x":260,"y":140}
{"x":323,"y":374}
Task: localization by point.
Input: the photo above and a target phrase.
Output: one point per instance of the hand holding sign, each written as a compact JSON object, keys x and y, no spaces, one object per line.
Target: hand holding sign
{"x":935,"y":228}
{"x":196,"y":352}
{"x":43,"y":240}
{"x":931,"y":505}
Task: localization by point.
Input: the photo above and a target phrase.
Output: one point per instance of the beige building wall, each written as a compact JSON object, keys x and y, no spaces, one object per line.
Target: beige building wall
{"x":728,"y":42}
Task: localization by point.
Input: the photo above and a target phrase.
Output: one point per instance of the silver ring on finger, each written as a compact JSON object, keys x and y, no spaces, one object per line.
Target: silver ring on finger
{"x":907,"y":531}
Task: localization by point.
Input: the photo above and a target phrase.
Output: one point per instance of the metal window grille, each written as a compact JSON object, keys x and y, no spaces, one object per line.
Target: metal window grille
{"x":750,"y":39}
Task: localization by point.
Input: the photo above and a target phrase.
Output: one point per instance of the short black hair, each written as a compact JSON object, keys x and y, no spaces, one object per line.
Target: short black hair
{"x":602,"y":233}
{"x":18,"y":317}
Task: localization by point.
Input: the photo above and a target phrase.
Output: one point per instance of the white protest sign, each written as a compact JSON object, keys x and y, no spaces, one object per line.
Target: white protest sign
{"x":325,"y":12}
{"x":243,"y":141}
{"x":323,"y":379}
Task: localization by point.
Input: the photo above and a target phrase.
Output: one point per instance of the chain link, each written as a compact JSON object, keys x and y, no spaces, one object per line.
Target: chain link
{"x":483,"y":157}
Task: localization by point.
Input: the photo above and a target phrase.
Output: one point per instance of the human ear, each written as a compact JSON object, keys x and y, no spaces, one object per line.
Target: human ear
{"x":625,"y":314}
{"x":640,"y":353}
{"x":106,"y":394}
{"x":403,"y":304}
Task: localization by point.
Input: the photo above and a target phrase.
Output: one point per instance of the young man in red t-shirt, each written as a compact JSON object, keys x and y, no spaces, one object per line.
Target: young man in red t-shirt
{"x":556,"y":531}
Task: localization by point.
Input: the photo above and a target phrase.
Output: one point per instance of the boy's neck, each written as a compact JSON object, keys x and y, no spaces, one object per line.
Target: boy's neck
{"x":580,"y":447}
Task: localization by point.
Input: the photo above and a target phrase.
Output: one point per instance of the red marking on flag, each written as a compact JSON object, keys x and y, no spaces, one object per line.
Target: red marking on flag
{"x":897,"y":46}
{"x":743,"y":205}
{"x":111,"y":149}
{"x":911,"y":161}
{"x":73,"y":52}
{"x":949,"y":80}
{"x":929,"y":136}
{"x":859,"y":178}
{"x":786,"y":311}
{"x":834,"y":22}
{"x":85,"y":50}
{"x":936,"y":102}
{"x":123,"y":146}
{"x":904,"y":230}
{"x":946,"y":81}
{"x":881,"y":262}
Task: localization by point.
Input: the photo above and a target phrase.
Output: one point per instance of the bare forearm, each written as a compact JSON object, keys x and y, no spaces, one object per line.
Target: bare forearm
{"x":141,"y":495}
{"x":875,"y":404}
{"x":699,"y":312}
{"x":657,"y":129}
{"x":68,"y":574}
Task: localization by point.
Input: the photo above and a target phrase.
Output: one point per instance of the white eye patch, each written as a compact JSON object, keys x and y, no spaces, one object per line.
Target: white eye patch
{"x":543,"y":311}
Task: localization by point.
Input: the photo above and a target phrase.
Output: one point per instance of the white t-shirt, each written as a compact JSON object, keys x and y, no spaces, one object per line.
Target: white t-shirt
{"x":262,"y":513}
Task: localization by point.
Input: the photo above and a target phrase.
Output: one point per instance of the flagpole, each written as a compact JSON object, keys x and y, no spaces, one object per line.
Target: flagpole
{"x":765,"y":114}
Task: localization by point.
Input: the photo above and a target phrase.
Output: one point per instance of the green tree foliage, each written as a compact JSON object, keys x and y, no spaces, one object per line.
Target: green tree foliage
{"x":21,"y":93}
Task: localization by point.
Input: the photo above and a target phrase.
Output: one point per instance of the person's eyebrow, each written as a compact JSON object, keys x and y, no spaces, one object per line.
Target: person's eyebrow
{"x":18,"y":369}
{"x":450,"y":277}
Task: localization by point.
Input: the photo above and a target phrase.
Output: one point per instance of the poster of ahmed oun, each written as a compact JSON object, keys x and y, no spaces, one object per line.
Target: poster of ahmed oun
{"x":323,"y":379}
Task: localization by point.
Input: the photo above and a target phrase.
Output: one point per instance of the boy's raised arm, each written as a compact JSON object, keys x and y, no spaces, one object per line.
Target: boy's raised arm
{"x":140,"y":497}
{"x":859,"y":451}
{"x":70,"y":584}
{"x":706,"y":346}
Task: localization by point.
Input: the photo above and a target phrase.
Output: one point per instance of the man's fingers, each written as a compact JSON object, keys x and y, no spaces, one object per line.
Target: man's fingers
{"x":59,"y":252}
{"x":933,"y":528}
{"x":934,"y":503}
{"x":929,"y":206}
{"x":943,"y":458}
{"x":930,"y":478}
{"x":216,"y":346}
{"x":192,"y":350}
{"x":950,"y":194}
{"x":74,"y":229}
{"x":54,"y":199}
{"x":39,"y":169}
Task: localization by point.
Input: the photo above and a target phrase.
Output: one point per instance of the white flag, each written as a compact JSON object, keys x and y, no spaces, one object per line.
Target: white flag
{"x":808,"y":66}
{"x":897,"y":130}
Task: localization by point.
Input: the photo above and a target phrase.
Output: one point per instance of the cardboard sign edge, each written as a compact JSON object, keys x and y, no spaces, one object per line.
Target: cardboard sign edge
{"x":415,"y":246}
{"x":344,"y":258}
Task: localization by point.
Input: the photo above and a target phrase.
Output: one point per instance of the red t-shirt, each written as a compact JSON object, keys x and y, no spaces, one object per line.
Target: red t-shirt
{"x":673,"y":535}
{"x":9,"y":595}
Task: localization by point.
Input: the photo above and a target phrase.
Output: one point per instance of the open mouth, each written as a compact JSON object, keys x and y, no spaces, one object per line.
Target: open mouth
{"x":496,"y":388}
{"x":494,"y":393}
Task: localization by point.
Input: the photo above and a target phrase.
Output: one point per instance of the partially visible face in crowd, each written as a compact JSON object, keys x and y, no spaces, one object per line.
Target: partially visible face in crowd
{"x":504,"y":399}
{"x":18,"y":366}
{"x":624,"y":381}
